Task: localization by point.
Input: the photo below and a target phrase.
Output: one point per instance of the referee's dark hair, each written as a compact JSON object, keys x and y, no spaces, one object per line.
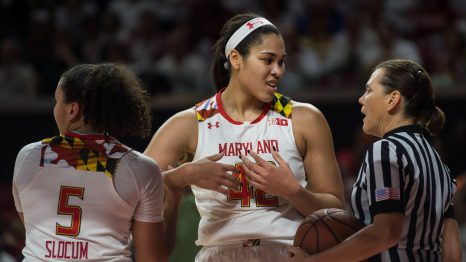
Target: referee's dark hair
{"x":415,"y":85}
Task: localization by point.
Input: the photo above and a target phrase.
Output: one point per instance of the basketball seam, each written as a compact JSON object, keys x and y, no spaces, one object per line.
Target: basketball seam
{"x":331,"y":231}
{"x":344,"y":223}
{"x":327,"y":213}
{"x":304,"y":235}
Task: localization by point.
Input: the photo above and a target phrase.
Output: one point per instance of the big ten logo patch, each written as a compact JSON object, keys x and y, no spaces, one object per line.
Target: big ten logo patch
{"x":278,"y":122}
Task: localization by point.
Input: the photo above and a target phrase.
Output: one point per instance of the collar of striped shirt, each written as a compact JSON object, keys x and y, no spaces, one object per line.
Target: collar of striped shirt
{"x":415,"y":128}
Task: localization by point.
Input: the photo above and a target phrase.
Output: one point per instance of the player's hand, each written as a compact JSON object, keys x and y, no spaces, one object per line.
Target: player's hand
{"x":207,"y":173}
{"x":276,"y":180}
{"x":298,"y":254}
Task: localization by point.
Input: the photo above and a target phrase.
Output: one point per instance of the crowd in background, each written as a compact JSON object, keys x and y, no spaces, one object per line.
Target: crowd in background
{"x":331,"y":44}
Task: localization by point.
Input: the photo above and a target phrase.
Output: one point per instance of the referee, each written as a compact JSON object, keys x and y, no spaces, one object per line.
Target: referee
{"x":403,"y":193}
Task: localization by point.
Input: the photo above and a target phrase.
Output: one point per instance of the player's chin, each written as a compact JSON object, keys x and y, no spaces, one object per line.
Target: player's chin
{"x":268,"y":96}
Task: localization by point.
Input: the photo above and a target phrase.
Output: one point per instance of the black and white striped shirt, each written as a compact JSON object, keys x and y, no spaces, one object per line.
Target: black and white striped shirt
{"x":403,"y":173}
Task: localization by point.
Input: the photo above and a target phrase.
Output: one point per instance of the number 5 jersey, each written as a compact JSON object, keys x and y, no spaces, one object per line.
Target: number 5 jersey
{"x":79,"y":195}
{"x":246,"y":213}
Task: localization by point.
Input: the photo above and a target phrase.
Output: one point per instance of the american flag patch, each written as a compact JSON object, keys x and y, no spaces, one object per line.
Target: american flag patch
{"x":387,"y":193}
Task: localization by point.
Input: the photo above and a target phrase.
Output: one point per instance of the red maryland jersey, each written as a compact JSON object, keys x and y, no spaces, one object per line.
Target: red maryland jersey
{"x":246,"y":213}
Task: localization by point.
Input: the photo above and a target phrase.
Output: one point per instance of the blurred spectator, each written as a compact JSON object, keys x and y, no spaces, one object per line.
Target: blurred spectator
{"x":206,"y":23}
{"x":70,"y":14}
{"x":128,"y":12}
{"x":116,"y":52}
{"x":293,"y":80}
{"x":448,"y":63}
{"x":18,"y":82}
{"x":110,"y":28}
{"x":329,"y":43}
{"x":65,"y":50}
{"x":39,"y":52}
{"x":396,"y":11}
{"x":14,"y":18}
{"x":186,"y":70}
{"x":380,"y":41}
{"x":324,"y":44}
{"x":90,"y":44}
{"x":146,"y":42}
{"x":440,"y":41}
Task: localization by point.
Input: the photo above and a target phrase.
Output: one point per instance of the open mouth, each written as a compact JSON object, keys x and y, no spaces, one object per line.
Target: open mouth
{"x":272,"y":84}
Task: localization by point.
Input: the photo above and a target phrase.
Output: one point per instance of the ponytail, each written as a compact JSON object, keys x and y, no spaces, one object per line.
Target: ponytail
{"x":434,"y":121}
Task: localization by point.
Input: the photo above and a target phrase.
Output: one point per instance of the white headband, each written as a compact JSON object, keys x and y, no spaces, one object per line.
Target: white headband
{"x":244,"y":31}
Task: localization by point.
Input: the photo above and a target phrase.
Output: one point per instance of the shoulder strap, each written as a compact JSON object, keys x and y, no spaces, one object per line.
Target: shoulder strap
{"x":282,"y":105}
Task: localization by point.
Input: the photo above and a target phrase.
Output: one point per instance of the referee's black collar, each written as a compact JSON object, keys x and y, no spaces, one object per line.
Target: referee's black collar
{"x":414,"y":128}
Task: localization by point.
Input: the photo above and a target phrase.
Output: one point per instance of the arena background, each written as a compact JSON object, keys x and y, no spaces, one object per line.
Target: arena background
{"x":332,"y":46}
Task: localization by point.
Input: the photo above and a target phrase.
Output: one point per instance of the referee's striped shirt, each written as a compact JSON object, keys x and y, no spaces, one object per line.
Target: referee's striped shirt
{"x":403,"y":173}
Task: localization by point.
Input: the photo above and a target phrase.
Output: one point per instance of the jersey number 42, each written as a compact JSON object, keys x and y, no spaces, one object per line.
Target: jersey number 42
{"x":246,"y":192}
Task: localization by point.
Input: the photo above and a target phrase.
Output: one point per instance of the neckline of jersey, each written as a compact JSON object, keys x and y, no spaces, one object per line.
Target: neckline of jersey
{"x":95,"y":136}
{"x":222,"y":111}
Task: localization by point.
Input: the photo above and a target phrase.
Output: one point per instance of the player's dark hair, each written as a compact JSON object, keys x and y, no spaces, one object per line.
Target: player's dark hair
{"x":221,"y":74}
{"x":111,"y":97}
{"x":415,"y":85}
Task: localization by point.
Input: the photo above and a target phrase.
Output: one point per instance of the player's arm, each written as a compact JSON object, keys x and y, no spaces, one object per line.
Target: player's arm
{"x":24,"y":172}
{"x":382,"y":234}
{"x":324,"y":183}
{"x":451,"y":245}
{"x":314,"y":141}
{"x":177,"y":139}
{"x":173,"y":141}
{"x":17,"y":203}
{"x":315,"y":144}
{"x":148,"y":245}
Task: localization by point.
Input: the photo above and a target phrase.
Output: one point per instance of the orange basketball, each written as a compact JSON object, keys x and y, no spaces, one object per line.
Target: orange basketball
{"x":325,"y":228}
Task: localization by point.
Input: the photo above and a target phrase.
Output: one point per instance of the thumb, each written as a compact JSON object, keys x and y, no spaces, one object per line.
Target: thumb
{"x":292,"y":249}
{"x":215,"y":157}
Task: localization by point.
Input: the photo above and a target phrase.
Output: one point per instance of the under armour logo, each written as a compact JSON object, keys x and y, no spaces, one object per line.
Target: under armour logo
{"x":210,"y":125}
{"x":250,"y":25}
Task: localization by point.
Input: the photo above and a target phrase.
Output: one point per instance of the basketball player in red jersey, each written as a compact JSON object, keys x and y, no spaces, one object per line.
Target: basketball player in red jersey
{"x":82,"y":195}
{"x":244,"y":220}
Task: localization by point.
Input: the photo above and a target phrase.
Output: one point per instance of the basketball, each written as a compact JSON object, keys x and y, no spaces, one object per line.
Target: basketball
{"x":325,"y":228}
